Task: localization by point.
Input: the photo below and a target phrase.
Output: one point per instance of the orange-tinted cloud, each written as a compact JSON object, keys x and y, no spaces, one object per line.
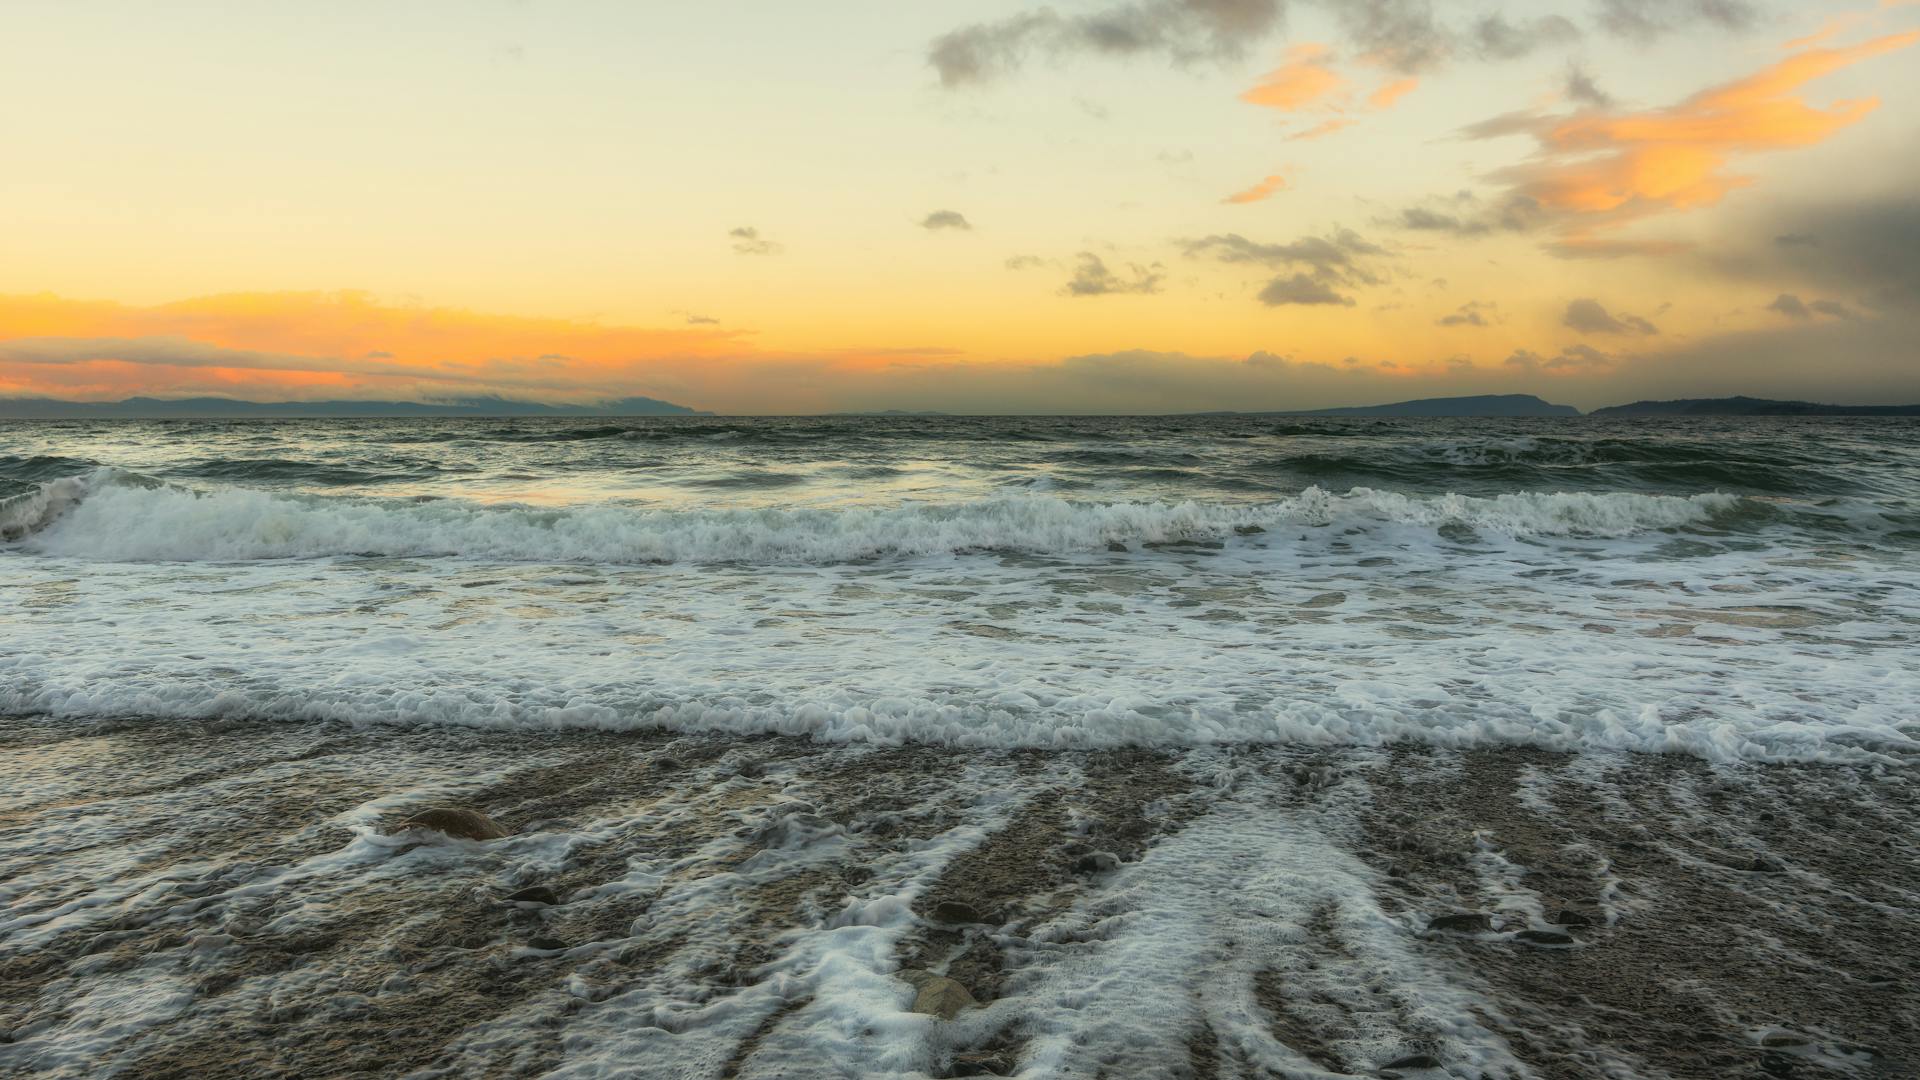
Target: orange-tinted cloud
{"x":1324,"y":127}
{"x":1385,"y":96}
{"x":293,"y":344}
{"x":1841,"y":23}
{"x":1599,"y":170}
{"x":1258,"y":192}
{"x":1302,"y":81}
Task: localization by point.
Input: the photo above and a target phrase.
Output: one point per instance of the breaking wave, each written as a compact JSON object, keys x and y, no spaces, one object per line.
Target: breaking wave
{"x":112,"y":514}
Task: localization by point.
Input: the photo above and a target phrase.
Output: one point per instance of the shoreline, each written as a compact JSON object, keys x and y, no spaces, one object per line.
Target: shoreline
{"x":753,"y":906}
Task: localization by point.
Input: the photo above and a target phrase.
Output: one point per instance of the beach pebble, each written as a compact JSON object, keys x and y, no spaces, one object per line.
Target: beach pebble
{"x":1543,"y":937}
{"x":454,"y":821}
{"x":534,"y":894}
{"x":1465,"y":922}
{"x":938,"y":995}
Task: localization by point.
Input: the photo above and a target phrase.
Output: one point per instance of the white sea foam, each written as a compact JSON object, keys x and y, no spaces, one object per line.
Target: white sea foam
{"x":106,"y":516}
{"x":1577,"y":645}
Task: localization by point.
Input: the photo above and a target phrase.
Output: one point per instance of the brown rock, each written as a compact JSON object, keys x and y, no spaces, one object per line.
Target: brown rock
{"x":454,"y":821}
{"x":938,"y":995}
{"x":1465,"y":922}
{"x":955,"y":912}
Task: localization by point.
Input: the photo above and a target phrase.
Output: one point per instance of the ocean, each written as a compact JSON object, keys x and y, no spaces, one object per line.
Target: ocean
{"x":1734,"y":589}
{"x":1184,"y":746}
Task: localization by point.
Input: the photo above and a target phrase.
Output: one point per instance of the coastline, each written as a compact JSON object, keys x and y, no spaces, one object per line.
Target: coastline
{"x":748,"y":906}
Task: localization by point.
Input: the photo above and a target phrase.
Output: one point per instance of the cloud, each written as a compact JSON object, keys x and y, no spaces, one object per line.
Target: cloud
{"x":1024,"y":262}
{"x":1862,"y":248}
{"x":946,"y":219}
{"x":1493,"y":37}
{"x":1572,"y":359}
{"x":1589,"y":317}
{"x":1581,"y":89}
{"x":1388,"y":93}
{"x":1304,"y":80}
{"x":1794,"y":308}
{"x":1183,"y":31}
{"x":1313,"y":268}
{"x":1599,"y":170}
{"x":1791,"y":306}
{"x":1324,"y":127}
{"x":1471,"y":313}
{"x":701,"y":320}
{"x":1258,"y":192}
{"x":298,"y":345}
{"x":1341,"y":256}
{"x":1644,"y":21}
{"x":1300,"y":289}
{"x":1093,"y":278}
{"x":181,"y":352}
{"x":1464,"y":214}
{"x":1401,"y":35}
{"x":748,"y":241}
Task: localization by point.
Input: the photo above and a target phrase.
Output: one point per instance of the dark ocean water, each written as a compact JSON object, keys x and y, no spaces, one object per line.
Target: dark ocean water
{"x":1732,"y":588}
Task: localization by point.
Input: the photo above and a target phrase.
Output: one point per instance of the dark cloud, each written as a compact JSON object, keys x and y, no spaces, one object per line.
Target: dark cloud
{"x":1471,"y":313}
{"x":1861,"y":248}
{"x":1401,"y":34}
{"x":1313,"y":268}
{"x":1795,"y":308}
{"x":1791,"y":306}
{"x":1589,"y":317}
{"x":1494,"y":37}
{"x":1339,"y":257}
{"x":1645,"y":20}
{"x":1570,"y":359}
{"x":1025,"y":262}
{"x":1093,"y":278}
{"x":1181,"y":30}
{"x":1300,"y":289}
{"x":1581,"y":89}
{"x":1465,"y":215}
{"x":946,"y":219}
{"x":748,"y":241}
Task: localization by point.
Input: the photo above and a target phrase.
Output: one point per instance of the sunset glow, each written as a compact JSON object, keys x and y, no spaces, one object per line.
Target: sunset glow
{"x":982,"y":213}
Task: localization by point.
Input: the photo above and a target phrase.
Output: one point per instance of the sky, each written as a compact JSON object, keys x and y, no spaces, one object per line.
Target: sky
{"x":984,"y":206}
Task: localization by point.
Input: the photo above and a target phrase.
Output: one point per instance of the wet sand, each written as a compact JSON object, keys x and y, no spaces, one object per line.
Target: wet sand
{"x":239,"y":900}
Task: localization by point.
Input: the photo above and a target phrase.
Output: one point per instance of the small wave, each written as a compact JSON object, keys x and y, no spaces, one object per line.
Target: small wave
{"x":41,"y":467}
{"x":282,"y":470}
{"x":111,"y":515}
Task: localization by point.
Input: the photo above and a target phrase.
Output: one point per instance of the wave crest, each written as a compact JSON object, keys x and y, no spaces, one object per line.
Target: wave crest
{"x":114,"y":515}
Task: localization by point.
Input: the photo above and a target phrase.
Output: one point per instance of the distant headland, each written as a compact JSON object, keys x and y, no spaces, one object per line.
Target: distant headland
{"x":1748,"y":406}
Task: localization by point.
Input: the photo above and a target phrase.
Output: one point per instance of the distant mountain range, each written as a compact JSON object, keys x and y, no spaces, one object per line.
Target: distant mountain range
{"x":209,"y":408}
{"x":1477,"y":405}
{"x":1747,"y":406}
